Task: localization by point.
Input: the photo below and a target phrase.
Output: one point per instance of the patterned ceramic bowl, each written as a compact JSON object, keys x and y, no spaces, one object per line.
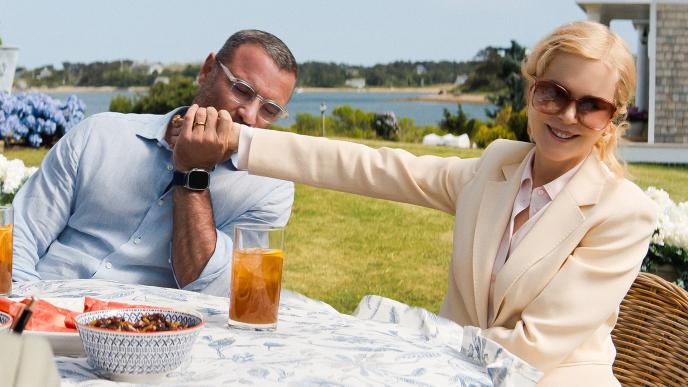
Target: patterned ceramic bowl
{"x":137,"y":357}
{"x":5,"y":321}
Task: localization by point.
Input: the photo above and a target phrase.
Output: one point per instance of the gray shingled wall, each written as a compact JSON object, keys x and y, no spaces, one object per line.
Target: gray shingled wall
{"x":671,"y":103}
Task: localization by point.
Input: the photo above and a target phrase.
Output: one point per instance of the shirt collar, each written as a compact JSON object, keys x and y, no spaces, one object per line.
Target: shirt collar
{"x":157,"y":132}
{"x":554,"y":187}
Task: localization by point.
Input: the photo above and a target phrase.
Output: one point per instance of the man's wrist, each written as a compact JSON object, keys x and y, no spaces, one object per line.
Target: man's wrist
{"x":195,"y":179}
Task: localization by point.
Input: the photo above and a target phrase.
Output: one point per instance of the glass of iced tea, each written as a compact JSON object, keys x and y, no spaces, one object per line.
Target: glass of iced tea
{"x":257,"y":263}
{"x":6,"y":221}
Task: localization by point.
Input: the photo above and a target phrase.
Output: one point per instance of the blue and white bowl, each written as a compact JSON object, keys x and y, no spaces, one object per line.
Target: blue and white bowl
{"x":5,"y":322}
{"x":137,"y":357}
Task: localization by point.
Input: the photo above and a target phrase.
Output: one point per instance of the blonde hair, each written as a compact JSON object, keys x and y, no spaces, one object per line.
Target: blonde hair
{"x":591,"y":40}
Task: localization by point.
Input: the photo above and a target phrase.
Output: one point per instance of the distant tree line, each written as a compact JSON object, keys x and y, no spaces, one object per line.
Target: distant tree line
{"x":126,"y":73}
{"x":487,"y":72}
{"x":395,"y":74}
{"x":120,"y":73}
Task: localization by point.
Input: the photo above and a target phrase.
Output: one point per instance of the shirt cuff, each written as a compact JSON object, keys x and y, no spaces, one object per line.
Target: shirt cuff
{"x":216,"y":269}
{"x":245,"y":138}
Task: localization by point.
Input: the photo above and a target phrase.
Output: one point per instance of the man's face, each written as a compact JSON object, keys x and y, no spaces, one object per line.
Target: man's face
{"x":253,"y":66}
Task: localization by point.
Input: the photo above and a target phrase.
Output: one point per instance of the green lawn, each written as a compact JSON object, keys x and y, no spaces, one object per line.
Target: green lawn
{"x":341,"y":247}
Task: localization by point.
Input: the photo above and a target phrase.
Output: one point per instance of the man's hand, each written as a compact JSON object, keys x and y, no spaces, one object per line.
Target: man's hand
{"x":206,"y":138}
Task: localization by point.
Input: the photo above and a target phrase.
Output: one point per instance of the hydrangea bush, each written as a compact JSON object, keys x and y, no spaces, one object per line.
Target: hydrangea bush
{"x":13,"y":174}
{"x":36,"y":119}
{"x":669,"y":244}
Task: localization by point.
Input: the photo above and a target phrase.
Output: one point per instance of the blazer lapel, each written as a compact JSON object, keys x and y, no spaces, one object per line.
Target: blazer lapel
{"x":494,"y":213}
{"x":558,"y":221}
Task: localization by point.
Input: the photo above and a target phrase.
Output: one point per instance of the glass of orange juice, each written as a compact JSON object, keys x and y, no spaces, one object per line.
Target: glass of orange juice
{"x":6,"y":221}
{"x":257,"y":263}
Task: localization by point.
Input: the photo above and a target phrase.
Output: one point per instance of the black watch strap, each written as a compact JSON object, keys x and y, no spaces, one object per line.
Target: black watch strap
{"x":196,"y":179}
{"x":178,"y":178}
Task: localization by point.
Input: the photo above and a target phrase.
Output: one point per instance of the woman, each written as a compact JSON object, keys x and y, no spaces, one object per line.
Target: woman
{"x":548,"y":237}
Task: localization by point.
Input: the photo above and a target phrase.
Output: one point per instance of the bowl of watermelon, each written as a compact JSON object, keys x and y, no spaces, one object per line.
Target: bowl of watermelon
{"x":53,"y":319}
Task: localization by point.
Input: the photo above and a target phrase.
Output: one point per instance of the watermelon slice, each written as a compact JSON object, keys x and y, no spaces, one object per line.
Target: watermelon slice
{"x":46,"y":316}
{"x":94,"y":304}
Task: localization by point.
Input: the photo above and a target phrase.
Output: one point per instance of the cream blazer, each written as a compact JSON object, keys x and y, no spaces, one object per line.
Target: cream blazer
{"x":557,"y":297}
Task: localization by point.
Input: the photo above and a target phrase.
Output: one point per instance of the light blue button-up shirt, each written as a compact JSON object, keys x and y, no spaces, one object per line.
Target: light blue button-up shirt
{"x":97,"y":207}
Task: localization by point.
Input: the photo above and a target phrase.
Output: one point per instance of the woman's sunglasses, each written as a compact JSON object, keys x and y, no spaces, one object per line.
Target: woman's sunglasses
{"x":550,"y":97}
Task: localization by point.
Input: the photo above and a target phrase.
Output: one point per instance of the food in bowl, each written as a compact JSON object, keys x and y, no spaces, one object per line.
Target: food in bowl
{"x":134,"y":356}
{"x":155,"y":322}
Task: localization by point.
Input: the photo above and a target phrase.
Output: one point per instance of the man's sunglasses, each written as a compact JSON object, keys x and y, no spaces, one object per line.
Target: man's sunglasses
{"x":242,"y":93}
{"x":550,"y":97}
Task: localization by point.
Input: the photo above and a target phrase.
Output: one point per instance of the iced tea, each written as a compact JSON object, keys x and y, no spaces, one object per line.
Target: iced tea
{"x":255,"y":289}
{"x":6,"y":259}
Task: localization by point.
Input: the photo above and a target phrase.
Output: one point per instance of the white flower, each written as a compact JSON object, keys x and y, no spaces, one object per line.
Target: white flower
{"x":672,"y":222}
{"x":13,"y":174}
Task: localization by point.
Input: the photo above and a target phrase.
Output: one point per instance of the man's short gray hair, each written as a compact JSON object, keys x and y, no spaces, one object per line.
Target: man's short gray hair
{"x":273,"y":46}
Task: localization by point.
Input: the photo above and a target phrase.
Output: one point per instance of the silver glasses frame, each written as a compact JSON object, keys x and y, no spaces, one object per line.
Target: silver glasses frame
{"x":263,"y":101}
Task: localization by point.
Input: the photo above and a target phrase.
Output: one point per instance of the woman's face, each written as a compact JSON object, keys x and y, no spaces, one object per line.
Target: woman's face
{"x":561,"y":141}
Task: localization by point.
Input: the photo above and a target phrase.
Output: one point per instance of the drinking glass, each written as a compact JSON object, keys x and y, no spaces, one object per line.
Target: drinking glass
{"x":6,"y":224}
{"x":257,"y":263}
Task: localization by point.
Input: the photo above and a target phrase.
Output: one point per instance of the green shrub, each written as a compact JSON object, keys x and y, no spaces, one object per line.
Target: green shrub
{"x":121,"y":104}
{"x":486,"y":135}
{"x":409,"y":132}
{"x":516,"y":122}
{"x":459,"y":124}
{"x":161,"y":97}
{"x":306,"y":123}
{"x":346,"y":120}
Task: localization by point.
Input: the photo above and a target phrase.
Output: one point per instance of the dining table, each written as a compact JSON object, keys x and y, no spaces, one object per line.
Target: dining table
{"x":383,"y":343}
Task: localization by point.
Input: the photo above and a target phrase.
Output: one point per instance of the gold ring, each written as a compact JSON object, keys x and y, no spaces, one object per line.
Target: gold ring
{"x":199,"y":123}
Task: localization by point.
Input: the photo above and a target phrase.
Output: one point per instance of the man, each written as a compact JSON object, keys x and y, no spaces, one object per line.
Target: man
{"x":116,"y":198}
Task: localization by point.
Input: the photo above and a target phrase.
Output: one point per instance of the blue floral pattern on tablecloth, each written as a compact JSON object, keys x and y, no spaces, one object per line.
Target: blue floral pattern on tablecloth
{"x":384,"y":343}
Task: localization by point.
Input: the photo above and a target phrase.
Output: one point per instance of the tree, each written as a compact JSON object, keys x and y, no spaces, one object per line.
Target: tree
{"x":458,"y":124}
{"x":512,"y":94}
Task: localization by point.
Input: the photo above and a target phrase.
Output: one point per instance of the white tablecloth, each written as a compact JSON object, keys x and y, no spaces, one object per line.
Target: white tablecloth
{"x":385,"y":343}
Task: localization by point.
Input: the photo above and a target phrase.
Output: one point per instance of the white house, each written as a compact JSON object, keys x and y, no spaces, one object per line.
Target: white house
{"x":357,"y":83}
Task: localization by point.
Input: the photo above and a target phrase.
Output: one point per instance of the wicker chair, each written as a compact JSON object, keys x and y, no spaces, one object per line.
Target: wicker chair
{"x":651,"y":336}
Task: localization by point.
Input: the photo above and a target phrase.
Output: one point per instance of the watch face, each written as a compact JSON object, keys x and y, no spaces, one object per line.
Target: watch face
{"x":198,"y":179}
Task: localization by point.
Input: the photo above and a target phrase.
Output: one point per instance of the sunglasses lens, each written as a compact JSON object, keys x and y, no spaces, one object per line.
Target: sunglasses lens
{"x":594,"y":113}
{"x":548,"y":98}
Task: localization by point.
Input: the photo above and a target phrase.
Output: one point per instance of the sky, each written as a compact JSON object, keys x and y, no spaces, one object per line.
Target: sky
{"x":357,"y":32}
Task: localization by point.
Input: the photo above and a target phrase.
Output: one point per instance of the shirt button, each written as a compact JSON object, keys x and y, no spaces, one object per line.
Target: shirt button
{"x":170,"y":167}
{"x":137,"y":240}
{"x":541,"y":192}
{"x":159,"y":145}
{"x":108,"y":265}
{"x":169,"y":260}
{"x":161,"y":202}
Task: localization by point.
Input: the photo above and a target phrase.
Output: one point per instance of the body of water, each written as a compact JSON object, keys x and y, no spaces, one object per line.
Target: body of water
{"x":423,"y":113}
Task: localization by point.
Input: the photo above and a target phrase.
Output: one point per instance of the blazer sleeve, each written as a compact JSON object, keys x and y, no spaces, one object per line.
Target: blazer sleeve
{"x":384,"y":173}
{"x":587,"y":290}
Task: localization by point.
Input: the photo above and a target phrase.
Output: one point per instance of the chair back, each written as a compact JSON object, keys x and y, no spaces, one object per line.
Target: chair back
{"x":651,"y":335}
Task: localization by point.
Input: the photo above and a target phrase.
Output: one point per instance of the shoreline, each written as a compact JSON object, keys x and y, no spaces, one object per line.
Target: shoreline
{"x":437,"y":93}
{"x":476,"y":99}
{"x":83,"y":89}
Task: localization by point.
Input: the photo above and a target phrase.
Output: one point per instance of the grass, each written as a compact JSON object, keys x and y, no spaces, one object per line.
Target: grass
{"x":32,"y":157}
{"x":341,"y":247}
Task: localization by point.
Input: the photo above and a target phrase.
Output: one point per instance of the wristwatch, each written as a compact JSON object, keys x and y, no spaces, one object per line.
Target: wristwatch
{"x":196,"y":179}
